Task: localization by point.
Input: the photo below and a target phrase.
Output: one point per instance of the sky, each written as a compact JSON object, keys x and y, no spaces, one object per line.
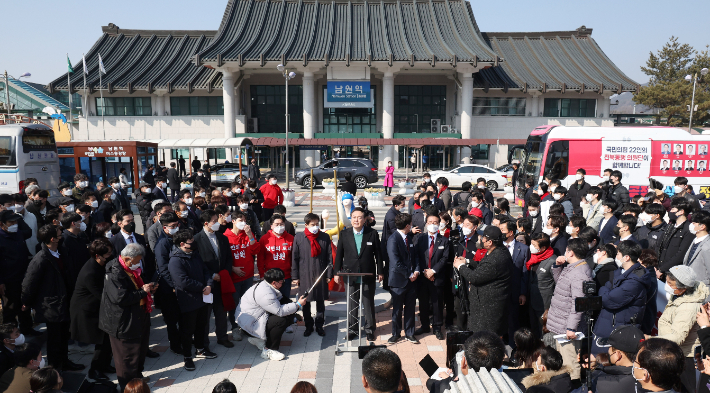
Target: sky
{"x":37,"y":40}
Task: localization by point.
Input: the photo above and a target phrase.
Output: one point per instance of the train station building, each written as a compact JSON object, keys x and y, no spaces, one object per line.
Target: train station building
{"x":373,"y":78}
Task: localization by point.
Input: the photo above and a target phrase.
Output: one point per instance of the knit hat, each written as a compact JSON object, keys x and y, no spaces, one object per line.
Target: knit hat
{"x":685,"y":275}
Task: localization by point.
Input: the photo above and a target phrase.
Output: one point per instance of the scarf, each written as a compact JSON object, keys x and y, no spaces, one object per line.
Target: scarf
{"x":313,"y":238}
{"x":544,"y":196}
{"x":539,"y":257}
{"x":416,"y":206}
{"x":480,"y":254}
{"x":135,"y":276}
{"x":443,"y":188}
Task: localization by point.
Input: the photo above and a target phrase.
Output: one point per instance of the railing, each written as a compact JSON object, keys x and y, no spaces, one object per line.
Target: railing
{"x":17,"y":118}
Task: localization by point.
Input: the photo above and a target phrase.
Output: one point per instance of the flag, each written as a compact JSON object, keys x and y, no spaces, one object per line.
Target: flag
{"x":71,"y":70}
{"x":101,"y":65}
{"x":83,"y":60}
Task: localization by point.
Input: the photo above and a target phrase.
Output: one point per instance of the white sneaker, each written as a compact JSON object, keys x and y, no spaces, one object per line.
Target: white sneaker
{"x":237,"y":334}
{"x":270,"y":354}
{"x":290,"y":329}
{"x":257,"y":342}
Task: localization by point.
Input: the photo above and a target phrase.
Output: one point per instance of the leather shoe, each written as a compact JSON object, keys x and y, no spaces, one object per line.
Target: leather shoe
{"x":371,"y":337}
{"x":394,"y":339}
{"x":320,"y":331}
{"x":225,"y":343}
{"x":438,"y":334}
{"x":422,"y":330}
{"x":152,"y":354}
{"x":308,"y":332}
{"x":412,"y":339}
{"x":68,"y":365}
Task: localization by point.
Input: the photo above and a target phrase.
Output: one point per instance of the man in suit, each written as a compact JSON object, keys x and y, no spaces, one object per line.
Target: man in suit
{"x":678,"y":149}
{"x":153,"y":232}
{"x":555,"y":229}
{"x":626,"y":225}
{"x":181,"y":166}
{"x":398,"y":205}
{"x":689,"y":165}
{"x":216,"y":253}
{"x":703,"y":150}
{"x":433,"y":251}
{"x":161,"y":184}
{"x":403,"y":272}
{"x":535,"y":216}
{"x":149,"y":176}
{"x":665,"y":165}
{"x":418,"y":217}
{"x":690,"y":149}
{"x":106,"y":208}
{"x":677,"y":165}
{"x":698,"y":255}
{"x":173,"y":182}
{"x":432,"y":192}
{"x":666,"y":149}
{"x":359,"y":252}
{"x":121,"y":201}
{"x":518,"y":287}
{"x":607,"y":224}
{"x":254,"y":172}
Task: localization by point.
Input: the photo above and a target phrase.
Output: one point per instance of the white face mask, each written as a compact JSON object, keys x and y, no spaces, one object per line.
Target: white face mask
{"x":113,"y":197}
{"x":540,"y":192}
{"x":533,"y":213}
{"x":184,"y":213}
{"x":481,"y":187}
{"x":279,"y":229}
{"x":442,"y":226}
{"x":273,"y":182}
{"x":547,"y":231}
{"x":569,"y":229}
{"x":13,"y":228}
{"x":116,"y":185}
{"x":70,"y":208}
{"x":172,"y":231}
{"x":427,"y":179}
{"x":20,"y":339}
{"x":693,"y":229}
{"x":135,"y":266}
{"x":552,"y":189}
{"x":84,"y":184}
{"x":432,"y":228}
{"x":42,"y":363}
{"x":533,"y":249}
{"x":228,"y":193}
{"x":556,"y":197}
{"x":241,"y":225}
{"x":202,"y":194}
{"x":108,"y":234}
{"x":66,"y":192}
{"x":579,"y":177}
{"x":94,"y":203}
{"x":466,"y":231}
{"x":314,"y":229}
{"x":475,"y":205}
{"x":677,"y":189}
{"x":669,"y":292}
{"x":243,"y":206}
{"x":618,"y":262}
{"x":215,"y":227}
{"x":188,"y":201}
{"x":237,"y":190}
{"x":589,"y":197}
{"x":82,"y":226}
{"x":606,"y":178}
{"x":163,"y":185}
{"x":645,"y":218}
{"x":538,"y":367}
{"x":228,"y":218}
{"x":595,"y":257}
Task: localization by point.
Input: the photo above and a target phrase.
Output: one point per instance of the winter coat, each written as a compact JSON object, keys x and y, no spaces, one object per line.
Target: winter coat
{"x":567,"y":205}
{"x":121,"y":314}
{"x":306,"y":268}
{"x":485,"y":381}
{"x":446,"y":198}
{"x":254,"y":172}
{"x":595,"y":217}
{"x":549,"y":381}
{"x":677,"y":323}
{"x":603,"y":272}
{"x":648,"y":236}
{"x":672,"y":247}
{"x":651,"y":313}
{"x":541,"y":284}
{"x":389,"y":177}
{"x":255,"y":195}
{"x":462,"y":199}
{"x":255,"y":306}
{"x":143,"y":201}
{"x":488,"y":291}
{"x":44,"y":288}
{"x":568,"y":286}
{"x":700,"y":262}
{"x":15,"y":254}
{"x":613,"y":379}
{"x":576,"y":192}
{"x":190,"y":276}
{"x":273,"y":196}
{"x":76,"y":257}
{"x":86,"y":302}
{"x":623,"y":298}
{"x":173,"y":179}
{"x":620,"y":195}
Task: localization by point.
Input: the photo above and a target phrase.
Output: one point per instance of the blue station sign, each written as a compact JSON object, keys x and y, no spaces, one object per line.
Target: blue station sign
{"x":349,"y":91}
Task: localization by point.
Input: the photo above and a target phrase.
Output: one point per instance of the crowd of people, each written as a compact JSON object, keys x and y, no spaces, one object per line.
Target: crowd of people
{"x":230,"y":252}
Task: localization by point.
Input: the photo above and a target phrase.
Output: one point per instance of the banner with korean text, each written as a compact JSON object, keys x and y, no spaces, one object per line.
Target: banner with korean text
{"x":631,"y":158}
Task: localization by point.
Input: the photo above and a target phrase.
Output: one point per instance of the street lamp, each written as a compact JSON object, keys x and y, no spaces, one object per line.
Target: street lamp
{"x":695,"y":79}
{"x":287,"y":75}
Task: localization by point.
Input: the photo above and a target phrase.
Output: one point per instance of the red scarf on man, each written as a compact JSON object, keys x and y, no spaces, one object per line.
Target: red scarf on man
{"x":135,"y":276}
{"x":539,"y":257}
{"x":480,"y":254}
{"x":313,"y":237}
{"x":443,"y":188}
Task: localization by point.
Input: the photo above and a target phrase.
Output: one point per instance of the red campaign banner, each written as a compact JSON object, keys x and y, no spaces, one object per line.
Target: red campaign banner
{"x":674,"y":158}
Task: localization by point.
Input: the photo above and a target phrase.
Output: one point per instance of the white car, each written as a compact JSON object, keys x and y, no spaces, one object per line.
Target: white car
{"x":470,"y":172}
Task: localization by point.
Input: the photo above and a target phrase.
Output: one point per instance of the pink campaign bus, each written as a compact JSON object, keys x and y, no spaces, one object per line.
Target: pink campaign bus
{"x":640,"y":153}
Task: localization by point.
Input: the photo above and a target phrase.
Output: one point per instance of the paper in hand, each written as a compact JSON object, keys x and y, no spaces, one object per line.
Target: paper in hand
{"x":208,"y":298}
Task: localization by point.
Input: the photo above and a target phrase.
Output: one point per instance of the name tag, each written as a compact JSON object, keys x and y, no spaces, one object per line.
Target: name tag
{"x":411,"y":245}
{"x":369,"y":243}
{"x":441,"y":247}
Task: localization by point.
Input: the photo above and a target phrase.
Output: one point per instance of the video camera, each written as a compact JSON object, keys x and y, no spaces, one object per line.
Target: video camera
{"x":590,"y":302}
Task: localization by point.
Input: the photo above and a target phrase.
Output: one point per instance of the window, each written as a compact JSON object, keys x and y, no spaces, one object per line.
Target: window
{"x":268,"y":104}
{"x":7,"y":150}
{"x":480,"y":169}
{"x":185,"y":106}
{"x":123,"y":106}
{"x":570,"y":107}
{"x":416,"y":106}
{"x":498,"y":106}
{"x":38,"y":140}
{"x":350,"y":120}
{"x":65,"y":150}
{"x":464,"y":169}
{"x":479,"y":152}
{"x":220,"y":154}
{"x":67,"y":169}
{"x":557,"y":159}
{"x":345,"y":164}
{"x":176,"y":153}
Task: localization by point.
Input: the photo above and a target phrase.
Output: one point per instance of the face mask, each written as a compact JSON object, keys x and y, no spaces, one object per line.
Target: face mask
{"x":184,"y":213}
{"x":20,"y":339}
{"x":172,"y":231}
{"x":108,"y":235}
{"x":475,"y":205}
{"x":389,"y":164}
{"x":215,"y":227}
{"x":606,"y":178}
{"x":243,"y":206}
{"x":37,"y":202}
{"x":552,"y":189}
{"x":533,"y":249}
{"x":135,"y":266}
{"x":188,"y":201}
{"x":202,"y":194}
{"x":481,"y":187}
{"x":314,"y":229}
{"x":496,"y":210}
{"x":432,"y":228}
{"x":569,"y":229}
{"x":83,"y":217}
{"x":677,"y":189}
{"x":669,"y":292}
{"x":645,"y":218}
{"x":252,"y":189}
{"x":618,"y":263}
{"x":84,"y":184}
{"x":130,"y":227}
{"x":147,"y":191}
{"x":82,"y":226}
{"x":279,"y":229}
{"x":241,"y":225}
{"x":556,"y":197}
{"x":228,"y":193}
{"x":589,"y":197}
{"x":466,"y":231}
{"x":547,"y":231}
{"x":163,"y":185}
{"x":633,"y":374}
{"x":693,"y":229}
{"x":616,"y":231}
{"x":540,"y":192}
{"x":66,"y":192}
{"x":672,"y":216}
{"x":200,"y":174}
{"x":70,"y":208}
{"x":442,"y":226}
{"x":579,"y":177}
{"x":13,"y":228}
{"x":238,"y":191}
{"x":273,"y":182}
{"x":228,"y":218}
{"x":595,"y":257}
{"x":533,"y":213}
{"x":113,"y":197}
{"x":42,"y":363}
{"x":115,"y":185}
{"x":427,"y":179}
{"x":94,"y":203}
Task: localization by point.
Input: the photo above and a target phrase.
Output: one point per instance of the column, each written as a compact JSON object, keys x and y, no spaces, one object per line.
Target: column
{"x":466,"y":112}
{"x":160,"y":105}
{"x":230,"y":127}
{"x":387,"y":118}
{"x":166,"y":106}
{"x":309,"y":118}
{"x":604,"y":105}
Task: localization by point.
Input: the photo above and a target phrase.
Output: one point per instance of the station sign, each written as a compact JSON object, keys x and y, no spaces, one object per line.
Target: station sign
{"x":348,"y":94}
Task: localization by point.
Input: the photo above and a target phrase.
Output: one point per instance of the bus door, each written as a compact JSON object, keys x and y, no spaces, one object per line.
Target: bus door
{"x":38,"y":158}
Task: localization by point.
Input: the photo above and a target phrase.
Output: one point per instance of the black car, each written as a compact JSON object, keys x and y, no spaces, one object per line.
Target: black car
{"x":363,"y":172}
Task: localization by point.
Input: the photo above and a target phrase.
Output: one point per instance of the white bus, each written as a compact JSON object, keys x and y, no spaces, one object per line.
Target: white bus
{"x":28,"y":150}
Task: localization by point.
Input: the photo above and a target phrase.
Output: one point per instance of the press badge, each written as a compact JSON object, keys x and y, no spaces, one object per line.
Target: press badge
{"x":441,"y":247}
{"x":369,"y":243}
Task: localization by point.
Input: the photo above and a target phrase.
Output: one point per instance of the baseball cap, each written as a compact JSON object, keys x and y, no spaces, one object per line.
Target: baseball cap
{"x":9,"y":215}
{"x":476,"y":212}
{"x":492,"y":233}
{"x":625,"y":338}
{"x":64,"y":201}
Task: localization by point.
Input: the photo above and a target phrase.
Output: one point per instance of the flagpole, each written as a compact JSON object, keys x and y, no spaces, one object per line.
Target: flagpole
{"x":103,"y":104}
{"x":86,"y":99}
{"x":70,"y":111}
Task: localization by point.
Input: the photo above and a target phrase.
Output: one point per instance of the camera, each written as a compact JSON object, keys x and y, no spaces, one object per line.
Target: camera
{"x":589,"y":288}
{"x":588,"y":303}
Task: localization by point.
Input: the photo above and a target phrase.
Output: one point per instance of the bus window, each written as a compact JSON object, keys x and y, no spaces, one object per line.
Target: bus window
{"x":38,"y":140}
{"x":557,"y":160}
{"x":7,"y":151}
{"x":532,"y":157}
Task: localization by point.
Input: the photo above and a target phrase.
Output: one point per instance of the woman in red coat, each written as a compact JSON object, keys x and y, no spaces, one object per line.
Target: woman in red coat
{"x":389,"y":178}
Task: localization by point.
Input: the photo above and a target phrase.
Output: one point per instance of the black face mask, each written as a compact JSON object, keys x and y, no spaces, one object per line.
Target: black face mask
{"x":496,"y":210}
{"x":130,"y":227}
{"x":616,"y":231}
{"x":672,"y":217}
{"x":37,"y":202}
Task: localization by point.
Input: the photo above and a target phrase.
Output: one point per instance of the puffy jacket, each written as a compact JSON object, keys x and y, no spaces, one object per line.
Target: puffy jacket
{"x":649,"y":316}
{"x":576,"y":192}
{"x":623,"y":298}
{"x":569,"y":279}
{"x":272,"y":195}
{"x":648,"y":235}
{"x":15,"y":254}
{"x":613,"y":379}
{"x":620,"y":194}
{"x":672,"y":247}
{"x":677,"y":323}
{"x":44,"y":287}
{"x":190,"y":276}
{"x":121,"y":314}
{"x":255,"y":306}
{"x":567,"y":204}
{"x":541,"y":284}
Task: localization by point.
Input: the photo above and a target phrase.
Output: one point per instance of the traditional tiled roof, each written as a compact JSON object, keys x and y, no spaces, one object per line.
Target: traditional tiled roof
{"x":351,"y":31}
{"x":564,"y":60}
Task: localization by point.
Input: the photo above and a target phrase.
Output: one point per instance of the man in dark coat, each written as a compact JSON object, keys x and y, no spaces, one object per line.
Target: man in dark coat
{"x":77,"y":242}
{"x":677,"y":238}
{"x":13,"y":266}
{"x":161,"y":184}
{"x":312,"y":253}
{"x":255,"y":198}
{"x":433,"y":249}
{"x":173,"y":182}
{"x":254,"y":172}
{"x":195,"y":164}
{"x":618,"y":193}
{"x":165,"y":296}
{"x":121,"y":199}
{"x":652,"y":232}
{"x":149,"y":176}
{"x":465,"y":247}
{"x":518,"y":286}
{"x":359,"y":251}
{"x":44,"y":289}
{"x":39,"y":206}
{"x":181,"y":166}
{"x":127,"y":235}
{"x":85,"y":305}
{"x":399,"y":203}
{"x":578,"y":190}
{"x":104,"y":211}
{"x":403,"y":272}
{"x":192,"y":281}
{"x":489,"y":284}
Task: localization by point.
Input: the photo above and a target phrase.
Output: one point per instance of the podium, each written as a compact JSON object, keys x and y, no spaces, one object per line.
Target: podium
{"x":347,"y":346}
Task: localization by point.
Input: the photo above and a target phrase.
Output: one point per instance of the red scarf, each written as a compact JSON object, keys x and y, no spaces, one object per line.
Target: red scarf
{"x":135,"y":276}
{"x":539,"y":257}
{"x":544,"y":195}
{"x":443,"y":188}
{"x":313,"y":237}
{"x":480,"y":254}
{"x":416,"y":206}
